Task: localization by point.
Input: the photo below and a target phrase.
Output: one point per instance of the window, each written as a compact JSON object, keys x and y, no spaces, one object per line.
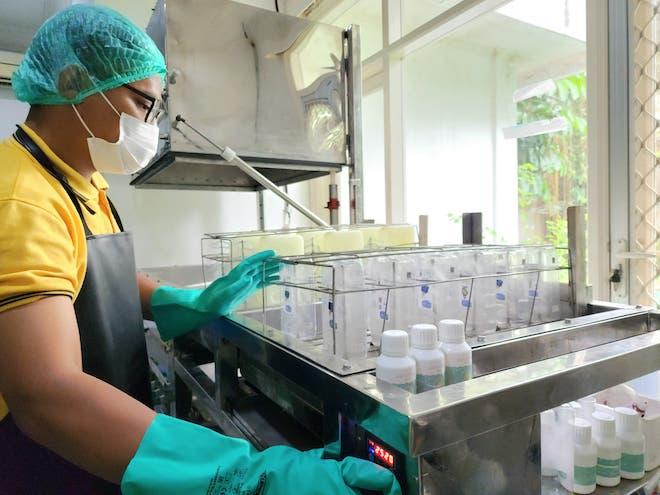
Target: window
{"x":495,"y":121}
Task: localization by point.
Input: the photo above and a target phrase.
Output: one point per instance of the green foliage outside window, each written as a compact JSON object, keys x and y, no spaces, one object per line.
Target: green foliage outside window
{"x":552,"y":168}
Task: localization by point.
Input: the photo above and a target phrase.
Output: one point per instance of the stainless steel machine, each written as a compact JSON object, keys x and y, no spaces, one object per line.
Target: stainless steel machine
{"x":283,"y":92}
{"x":248,"y":378}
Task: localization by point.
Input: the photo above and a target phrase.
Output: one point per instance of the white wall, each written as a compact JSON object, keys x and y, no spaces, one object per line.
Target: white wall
{"x":12,"y":112}
{"x":457,"y":99}
{"x":167,"y":225}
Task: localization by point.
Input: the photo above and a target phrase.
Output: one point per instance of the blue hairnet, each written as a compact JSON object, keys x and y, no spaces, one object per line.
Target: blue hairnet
{"x":82,"y":50}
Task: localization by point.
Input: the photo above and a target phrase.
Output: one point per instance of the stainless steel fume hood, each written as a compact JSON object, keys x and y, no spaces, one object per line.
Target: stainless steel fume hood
{"x":281,"y":91}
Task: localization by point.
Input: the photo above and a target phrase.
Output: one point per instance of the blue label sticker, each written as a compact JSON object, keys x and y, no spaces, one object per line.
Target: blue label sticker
{"x":425,"y":289}
{"x":465,"y":303}
{"x":499,"y":282}
{"x":500,"y":297}
{"x":533,"y":293}
{"x":288,"y":308}
{"x":427,"y":304}
{"x":383,"y":316}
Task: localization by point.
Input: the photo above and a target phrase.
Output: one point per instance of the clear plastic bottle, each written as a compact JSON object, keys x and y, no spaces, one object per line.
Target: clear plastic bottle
{"x":633,"y":443}
{"x":584,"y":458}
{"x":446,"y":295}
{"x":298,"y":317}
{"x":344,"y":314}
{"x":608,"y":466}
{"x":458,"y":354}
{"x":489,"y":295}
{"x":429,"y":360}
{"x":394,"y":365}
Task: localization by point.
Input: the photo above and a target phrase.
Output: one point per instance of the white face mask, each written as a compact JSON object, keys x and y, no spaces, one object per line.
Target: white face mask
{"x":137,"y":145}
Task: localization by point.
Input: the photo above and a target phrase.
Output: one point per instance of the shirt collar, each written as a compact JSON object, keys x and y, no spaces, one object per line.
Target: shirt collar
{"x":89,"y":190}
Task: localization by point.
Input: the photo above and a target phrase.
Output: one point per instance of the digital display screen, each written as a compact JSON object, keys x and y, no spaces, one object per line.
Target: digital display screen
{"x":379,"y":454}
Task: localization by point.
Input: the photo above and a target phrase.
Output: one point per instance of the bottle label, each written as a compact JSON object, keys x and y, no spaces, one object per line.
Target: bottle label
{"x":425,"y":298}
{"x":429,"y":382}
{"x":584,"y":475}
{"x":608,"y":468}
{"x":632,"y":463}
{"x":457,"y":374}
{"x":409,"y":386}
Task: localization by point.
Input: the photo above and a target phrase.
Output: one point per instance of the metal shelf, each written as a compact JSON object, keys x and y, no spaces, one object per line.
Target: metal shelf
{"x":551,"y":486}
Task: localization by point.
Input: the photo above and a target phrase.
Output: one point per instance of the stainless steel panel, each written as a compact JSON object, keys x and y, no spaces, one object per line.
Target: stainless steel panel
{"x":203,"y":171}
{"x":501,"y":462}
{"x":265,"y":84}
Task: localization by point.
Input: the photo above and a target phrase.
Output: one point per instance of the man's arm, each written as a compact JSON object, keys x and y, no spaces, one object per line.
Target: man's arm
{"x":146,"y":285}
{"x":81,"y":418}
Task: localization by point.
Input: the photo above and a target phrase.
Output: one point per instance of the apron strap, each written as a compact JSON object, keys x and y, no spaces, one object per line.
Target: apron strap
{"x":28,"y":143}
{"x":116,"y":215}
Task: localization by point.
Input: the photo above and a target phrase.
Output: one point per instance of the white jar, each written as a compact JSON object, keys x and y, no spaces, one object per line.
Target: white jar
{"x":633,"y":443}
{"x":429,"y":360}
{"x":584,"y":458}
{"x":458,"y":354}
{"x":394,"y":365}
{"x":608,"y":466}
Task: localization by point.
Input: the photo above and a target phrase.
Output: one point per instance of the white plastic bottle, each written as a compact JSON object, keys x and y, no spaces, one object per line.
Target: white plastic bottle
{"x":587,"y":407}
{"x":608,"y":466}
{"x":394,"y":365}
{"x":584,"y":458}
{"x":548,"y":434}
{"x":633,"y":443}
{"x":458,"y":354}
{"x":429,"y":360}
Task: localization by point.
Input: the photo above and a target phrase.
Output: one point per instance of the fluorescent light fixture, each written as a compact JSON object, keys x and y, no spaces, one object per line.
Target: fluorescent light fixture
{"x":535,"y":128}
{"x":532,"y":90}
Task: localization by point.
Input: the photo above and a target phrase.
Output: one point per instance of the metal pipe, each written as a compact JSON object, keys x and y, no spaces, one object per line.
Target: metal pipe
{"x":230,"y":155}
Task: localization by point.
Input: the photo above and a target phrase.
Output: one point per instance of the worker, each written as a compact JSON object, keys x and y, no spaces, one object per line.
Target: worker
{"x":75,"y":408}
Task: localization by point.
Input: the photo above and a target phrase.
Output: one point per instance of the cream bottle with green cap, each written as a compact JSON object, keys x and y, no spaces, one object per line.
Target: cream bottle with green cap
{"x":633,"y":443}
{"x":430,"y":360}
{"x":458,"y":353}
{"x":584,"y":458}
{"x":608,"y":467}
{"x":394,"y":365}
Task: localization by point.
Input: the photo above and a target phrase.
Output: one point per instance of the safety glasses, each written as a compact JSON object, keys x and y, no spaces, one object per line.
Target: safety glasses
{"x":156,"y":108}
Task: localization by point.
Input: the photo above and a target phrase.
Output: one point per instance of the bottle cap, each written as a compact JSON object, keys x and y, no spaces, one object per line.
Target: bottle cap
{"x":452,"y":331}
{"x":394,"y":343}
{"x":587,"y":406}
{"x":604,"y":425}
{"x":588,"y":402}
{"x":627,"y":420}
{"x":582,"y":429}
{"x":424,"y":336}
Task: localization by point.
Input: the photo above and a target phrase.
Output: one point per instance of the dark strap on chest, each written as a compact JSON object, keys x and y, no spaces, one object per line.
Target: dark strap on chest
{"x":28,"y":143}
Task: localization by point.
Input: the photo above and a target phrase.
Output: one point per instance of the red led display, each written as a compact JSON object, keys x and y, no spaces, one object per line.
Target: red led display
{"x":380,"y":454}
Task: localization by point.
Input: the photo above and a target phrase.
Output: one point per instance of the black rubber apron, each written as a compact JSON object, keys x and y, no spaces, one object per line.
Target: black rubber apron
{"x":113,"y":349}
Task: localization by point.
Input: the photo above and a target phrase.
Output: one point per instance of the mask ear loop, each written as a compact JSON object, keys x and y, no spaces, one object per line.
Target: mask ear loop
{"x":82,"y":121}
{"x":111,"y":105}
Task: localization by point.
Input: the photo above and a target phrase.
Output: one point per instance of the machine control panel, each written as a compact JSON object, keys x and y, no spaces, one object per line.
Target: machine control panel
{"x":358,"y":442}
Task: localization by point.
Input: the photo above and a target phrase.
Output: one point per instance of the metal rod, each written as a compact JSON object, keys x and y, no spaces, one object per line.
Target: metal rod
{"x":229,"y":155}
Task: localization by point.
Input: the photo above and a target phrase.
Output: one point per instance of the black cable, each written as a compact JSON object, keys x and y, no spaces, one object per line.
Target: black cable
{"x":277,"y":6}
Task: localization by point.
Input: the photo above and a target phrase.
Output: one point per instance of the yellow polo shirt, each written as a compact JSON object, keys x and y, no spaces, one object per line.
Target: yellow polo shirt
{"x":43,"y":250}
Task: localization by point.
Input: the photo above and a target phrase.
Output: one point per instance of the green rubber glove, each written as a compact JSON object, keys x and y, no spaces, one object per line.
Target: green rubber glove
{"x":180,"y":458}
{"x":177,"y":311}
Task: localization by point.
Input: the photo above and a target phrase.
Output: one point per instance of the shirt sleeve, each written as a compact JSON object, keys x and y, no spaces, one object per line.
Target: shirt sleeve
{"x":37,"y":255}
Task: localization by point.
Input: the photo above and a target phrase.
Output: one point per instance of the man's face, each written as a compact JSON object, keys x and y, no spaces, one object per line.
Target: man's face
{"x":101,"y":118}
